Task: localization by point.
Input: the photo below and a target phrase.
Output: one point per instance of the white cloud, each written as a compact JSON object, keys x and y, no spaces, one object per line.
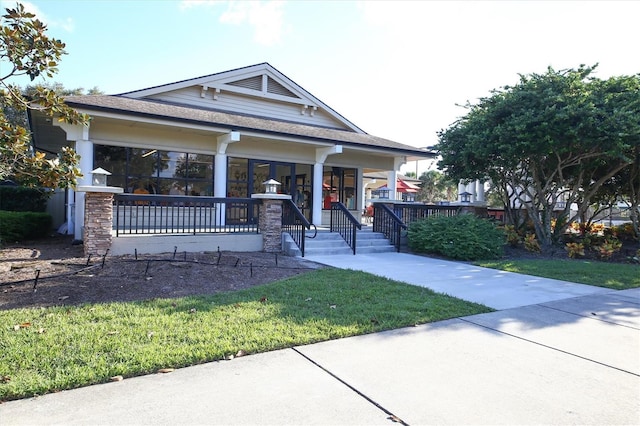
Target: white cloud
{"x":265,"y":17}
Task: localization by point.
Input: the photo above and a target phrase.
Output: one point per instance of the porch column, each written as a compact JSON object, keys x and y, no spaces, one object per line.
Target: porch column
{"x":461,"y":188}
{"x":84,"y":148}
{"x":79,"y":134}
{"x":220,"y":173}
{"x":392,"y":177}
{"x":471,"y":189}
{"x":480,"y":191}
{"x":316,"y":210}
{"x":392,"y":184}
{"x":321,"y":157}
{"x":220,"y":176}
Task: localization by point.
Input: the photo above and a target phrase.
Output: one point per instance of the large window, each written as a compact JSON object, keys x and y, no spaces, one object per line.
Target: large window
{"x":339,"y":184}
{"x":151,"y":171}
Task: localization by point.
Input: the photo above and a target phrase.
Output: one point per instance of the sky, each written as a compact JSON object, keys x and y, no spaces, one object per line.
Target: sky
{"x":398,"y":70}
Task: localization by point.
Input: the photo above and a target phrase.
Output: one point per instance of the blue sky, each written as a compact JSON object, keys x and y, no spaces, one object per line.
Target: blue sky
{"x":396,"y":69}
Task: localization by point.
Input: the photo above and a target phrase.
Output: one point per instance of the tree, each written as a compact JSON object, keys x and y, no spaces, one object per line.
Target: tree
{"x":436,"y":186}
{"x":551,"y":140}
{"x":25,"y":49}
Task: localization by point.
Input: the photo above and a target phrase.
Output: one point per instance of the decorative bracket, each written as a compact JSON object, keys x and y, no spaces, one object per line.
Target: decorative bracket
{"x":225,"y":140}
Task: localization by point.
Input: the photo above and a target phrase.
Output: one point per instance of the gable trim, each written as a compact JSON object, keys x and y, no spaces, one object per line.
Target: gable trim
{"x":222,"y":81}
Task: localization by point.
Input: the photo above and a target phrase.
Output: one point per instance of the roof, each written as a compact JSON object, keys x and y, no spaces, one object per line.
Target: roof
{"x":402,"y":186}
{"x":226,"y":79}
{"x":187,"y":114}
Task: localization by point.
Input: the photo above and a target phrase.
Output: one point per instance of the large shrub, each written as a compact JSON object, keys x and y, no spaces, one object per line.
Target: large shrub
{"x":22,"y":199}
{"x":464,"y":237}
{"x":18,"y":226}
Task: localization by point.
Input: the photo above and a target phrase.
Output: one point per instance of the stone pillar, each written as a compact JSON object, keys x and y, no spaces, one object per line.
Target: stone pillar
{"x":270,"y":221}
{"x":98,"y":221}
{"x":271,"y":225}
{"x":98,"y":217}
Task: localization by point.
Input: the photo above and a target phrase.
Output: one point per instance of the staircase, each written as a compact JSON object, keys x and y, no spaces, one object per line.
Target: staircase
{"x":329,"y":243}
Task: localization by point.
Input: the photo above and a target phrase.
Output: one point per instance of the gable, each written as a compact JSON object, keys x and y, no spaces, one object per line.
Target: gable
{"x":259,"y":91}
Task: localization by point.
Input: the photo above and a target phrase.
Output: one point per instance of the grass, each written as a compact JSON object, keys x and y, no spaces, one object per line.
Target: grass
{"x":50,"y":349}
{"x":616,"y":276}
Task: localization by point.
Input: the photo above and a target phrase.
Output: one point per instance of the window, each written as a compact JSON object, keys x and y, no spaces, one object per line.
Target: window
{"x":151,"y":171}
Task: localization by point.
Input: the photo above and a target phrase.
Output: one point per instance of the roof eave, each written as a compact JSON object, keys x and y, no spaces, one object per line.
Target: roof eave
{"x":399,"y":151}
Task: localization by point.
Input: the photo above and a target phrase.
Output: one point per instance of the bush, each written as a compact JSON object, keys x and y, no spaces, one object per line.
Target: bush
{"x":18,"y":226}
{"x":22,"y":199}
{"x":464,"y":237}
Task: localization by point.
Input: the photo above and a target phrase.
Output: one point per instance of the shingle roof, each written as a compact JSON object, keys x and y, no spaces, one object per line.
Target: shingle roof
{"x":179,"y":113}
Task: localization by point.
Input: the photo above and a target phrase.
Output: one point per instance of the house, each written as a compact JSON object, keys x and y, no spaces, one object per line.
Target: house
{"x":222,"y":135}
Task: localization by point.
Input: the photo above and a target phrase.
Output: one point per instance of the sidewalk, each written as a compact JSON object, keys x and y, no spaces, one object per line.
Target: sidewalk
{"x":493,"y":288}
{"x":572,"y":358}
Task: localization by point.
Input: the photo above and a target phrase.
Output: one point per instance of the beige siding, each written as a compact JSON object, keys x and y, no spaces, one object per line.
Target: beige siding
{"x":256,"y":106}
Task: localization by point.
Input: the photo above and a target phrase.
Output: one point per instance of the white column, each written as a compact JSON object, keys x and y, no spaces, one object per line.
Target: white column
{"x":71,"y":214}
{"x":316,"y":211}
{"x":220,"y":186}
{"x":480,"y":191}
{"x":461,"y":188}
{"x":321,"y":157}
{"x":220,"y":172}
{"x":84,"y":148}
{"x":471,"y":189}
{"x":392,"y":184}
{"x":220,"y":176}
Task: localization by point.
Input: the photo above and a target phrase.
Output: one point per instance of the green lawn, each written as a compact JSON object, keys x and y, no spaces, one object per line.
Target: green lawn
{"x":610,"y":275}
{"x":45,"y":350}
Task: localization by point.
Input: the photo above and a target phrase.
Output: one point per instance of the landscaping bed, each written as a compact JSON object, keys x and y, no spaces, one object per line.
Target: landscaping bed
{"x":67,"y":277}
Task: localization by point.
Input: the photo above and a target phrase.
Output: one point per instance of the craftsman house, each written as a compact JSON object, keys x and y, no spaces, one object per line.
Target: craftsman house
{"x":223,"y":135}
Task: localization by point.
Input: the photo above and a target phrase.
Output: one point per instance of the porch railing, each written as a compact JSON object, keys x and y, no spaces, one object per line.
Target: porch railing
{"x":344,"y":223}
{"x":409,"y":213}
{"x":296,"y":224}
{"x":165,"y":214}
{"x":387,"y":222}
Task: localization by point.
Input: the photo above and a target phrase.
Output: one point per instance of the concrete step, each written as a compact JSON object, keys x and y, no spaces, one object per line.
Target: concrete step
{"x":330,"y":243}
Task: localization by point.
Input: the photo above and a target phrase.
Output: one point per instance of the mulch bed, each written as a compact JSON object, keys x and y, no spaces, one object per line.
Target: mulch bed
{"x":66,"y":277}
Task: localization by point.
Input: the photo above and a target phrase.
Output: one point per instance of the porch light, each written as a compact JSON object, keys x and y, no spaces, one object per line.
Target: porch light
{"x":99,"y":177}
{"x":465,"y":197}
{"x":271,"y":186}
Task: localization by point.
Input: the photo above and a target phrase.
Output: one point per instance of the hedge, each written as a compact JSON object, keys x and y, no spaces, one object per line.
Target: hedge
{"x":22,"y":199}
{"x":19,"y":226}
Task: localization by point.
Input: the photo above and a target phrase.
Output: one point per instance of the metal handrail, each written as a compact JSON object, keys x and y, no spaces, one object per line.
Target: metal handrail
{"x":296,"y":224}
{"x":345,"y":223}
{"x":388,"y":223}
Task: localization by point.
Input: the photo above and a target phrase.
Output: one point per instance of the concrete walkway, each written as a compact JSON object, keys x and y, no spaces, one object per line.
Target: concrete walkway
{"x":493,"y":288}
{"x":550,"y":357}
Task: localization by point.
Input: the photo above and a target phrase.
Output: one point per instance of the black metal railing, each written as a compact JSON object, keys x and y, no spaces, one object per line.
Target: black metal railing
{"x":343,"y":222}
{"x":174,"y":214}
{"x":409,"y":213}
{"x":387,"y":222}
{"x":294,"y":222}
